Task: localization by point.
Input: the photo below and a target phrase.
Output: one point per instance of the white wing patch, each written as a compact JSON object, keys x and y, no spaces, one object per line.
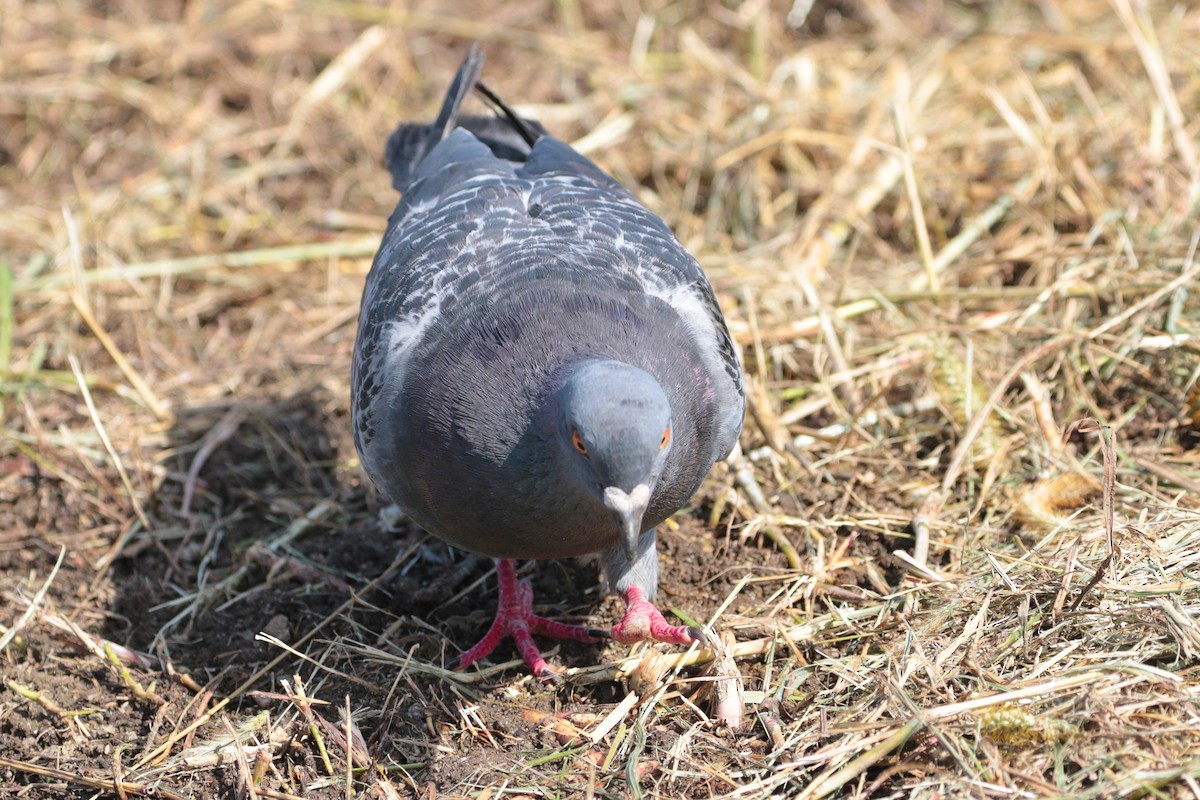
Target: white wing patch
{"x":397,"y":338}
{"x":717,"y":350}
{"x":696,"y":315}
{"x":693,"y":309}
{"x":403,"y":334}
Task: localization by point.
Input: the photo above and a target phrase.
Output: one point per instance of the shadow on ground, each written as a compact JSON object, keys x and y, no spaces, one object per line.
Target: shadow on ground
{"x":277,"y":533}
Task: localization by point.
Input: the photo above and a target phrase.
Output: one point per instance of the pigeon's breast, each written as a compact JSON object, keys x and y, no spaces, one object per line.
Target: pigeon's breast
{"x":476,"y":455}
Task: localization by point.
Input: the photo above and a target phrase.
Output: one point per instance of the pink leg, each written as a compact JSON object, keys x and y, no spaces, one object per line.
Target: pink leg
{"x":643,"y":621}
{"x":515,"y":617}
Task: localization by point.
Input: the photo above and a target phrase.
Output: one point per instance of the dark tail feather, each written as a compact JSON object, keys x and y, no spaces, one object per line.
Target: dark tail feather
{"x":527,"y":132}
{"x":508,"y":136}
{"x":409,"y":144}
{"x":466,"y":80}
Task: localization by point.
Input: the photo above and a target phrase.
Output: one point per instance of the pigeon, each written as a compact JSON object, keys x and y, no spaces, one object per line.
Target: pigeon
{"x":541,"y":369}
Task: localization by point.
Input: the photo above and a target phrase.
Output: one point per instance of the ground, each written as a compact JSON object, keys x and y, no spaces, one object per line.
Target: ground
{"x":955,"y":555}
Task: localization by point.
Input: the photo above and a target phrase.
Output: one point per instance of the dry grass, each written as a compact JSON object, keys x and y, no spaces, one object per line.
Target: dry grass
{"x":942,"y":234}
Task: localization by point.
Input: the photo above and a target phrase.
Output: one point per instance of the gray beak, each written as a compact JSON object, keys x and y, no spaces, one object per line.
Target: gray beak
{"x":629,"y":508}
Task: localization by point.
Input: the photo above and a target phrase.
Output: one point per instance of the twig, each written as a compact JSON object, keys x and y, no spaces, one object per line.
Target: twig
{"x":904,"y":152}
{"x":613,"y":717}
{"x":1160,"y":79}
{"x":834,"y":779}
{"x":1187,"y":276}
{"x":156,"y":404}
{"x":730,"y":700}
{"x":204,"y":266}
{"x":979,"y":418}
{"x":36,"y":601}
{"x":332,"y":78}
{"x":116,"y":459}
{"x":1108,"y":488}
{"x":839,"y":429}
{"x":659,"y":663}
{"x":139,"y":789}
{"x":744,"y":475}
{"x":220,"y":433}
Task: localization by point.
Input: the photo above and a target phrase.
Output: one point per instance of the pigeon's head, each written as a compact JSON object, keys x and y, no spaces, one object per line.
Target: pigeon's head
{"x":616,"y":430}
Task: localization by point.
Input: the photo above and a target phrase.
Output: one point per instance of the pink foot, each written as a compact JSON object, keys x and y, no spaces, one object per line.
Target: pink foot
{"x":515,"y":617}
{"x":643,"y":621}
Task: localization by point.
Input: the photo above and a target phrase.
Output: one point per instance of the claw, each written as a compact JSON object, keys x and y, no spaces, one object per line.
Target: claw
{"x":549,"y":677}
{"x":515,"y":618}
{"x":643,"y":621}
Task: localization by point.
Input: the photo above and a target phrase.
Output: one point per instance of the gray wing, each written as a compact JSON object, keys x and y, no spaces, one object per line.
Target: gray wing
{"x":416,"y":271}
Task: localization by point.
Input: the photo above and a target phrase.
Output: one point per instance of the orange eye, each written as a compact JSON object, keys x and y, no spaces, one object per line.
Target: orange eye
{"x":577,"y":440}
{"x":666,"y":438}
